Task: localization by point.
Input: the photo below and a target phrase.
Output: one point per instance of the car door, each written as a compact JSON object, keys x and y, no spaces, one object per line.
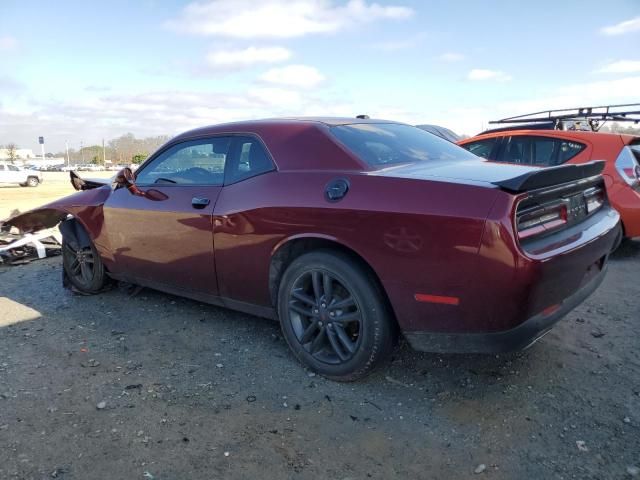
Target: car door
{"x":164,"y":236}
{"x":241,"y":249}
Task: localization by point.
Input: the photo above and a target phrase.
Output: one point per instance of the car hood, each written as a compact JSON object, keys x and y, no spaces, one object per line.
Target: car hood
{"x":468,"y":171}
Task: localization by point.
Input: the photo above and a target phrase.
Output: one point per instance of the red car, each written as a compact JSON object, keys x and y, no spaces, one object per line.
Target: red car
{"x":545,"y":148}
{"x":347,"y":231}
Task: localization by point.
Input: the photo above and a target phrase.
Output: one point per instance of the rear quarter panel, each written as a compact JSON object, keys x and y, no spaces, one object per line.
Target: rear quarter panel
{"x":419,"y":236}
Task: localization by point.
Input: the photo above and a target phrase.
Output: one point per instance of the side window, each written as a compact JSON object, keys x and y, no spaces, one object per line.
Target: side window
{"x":568,"y":150}
{"x":516,"y":150}
{"x":544,"y":151}
{"x":539,"y":151}
{"x":249,"y":159}
{"x":13,"y":168}
{"x":1,"y":168}
{"x":482,"y":148}
{"x":197,"y":162}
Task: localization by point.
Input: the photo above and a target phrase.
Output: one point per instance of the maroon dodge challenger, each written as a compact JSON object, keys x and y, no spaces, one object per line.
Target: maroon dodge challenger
{"x":348,"y":231}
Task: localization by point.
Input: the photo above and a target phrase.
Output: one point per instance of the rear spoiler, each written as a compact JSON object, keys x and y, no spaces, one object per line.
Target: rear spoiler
{"x":548,"y":177}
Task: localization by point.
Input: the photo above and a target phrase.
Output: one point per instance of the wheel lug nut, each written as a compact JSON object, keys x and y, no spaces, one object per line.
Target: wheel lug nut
{"x":333,"y":314}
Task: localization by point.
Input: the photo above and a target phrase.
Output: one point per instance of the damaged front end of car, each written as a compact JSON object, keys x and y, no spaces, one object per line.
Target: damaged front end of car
{"x":79,"y":216}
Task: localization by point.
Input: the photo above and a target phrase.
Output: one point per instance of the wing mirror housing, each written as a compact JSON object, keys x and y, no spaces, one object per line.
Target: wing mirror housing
{"x":125,"y":178}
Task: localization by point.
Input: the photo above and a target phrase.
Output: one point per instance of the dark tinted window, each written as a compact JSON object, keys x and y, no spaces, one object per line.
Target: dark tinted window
{"x":2,"y":168}
{"x":198,"y":162}
{"x":380,"y":144}
{"x":539,"y":151}
{"x":13,"y":168}
{"x":249,"y":159}
{"x":482,"y":148}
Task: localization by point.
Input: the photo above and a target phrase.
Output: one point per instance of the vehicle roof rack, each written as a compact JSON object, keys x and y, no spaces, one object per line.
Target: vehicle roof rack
{"x":595,"y":117}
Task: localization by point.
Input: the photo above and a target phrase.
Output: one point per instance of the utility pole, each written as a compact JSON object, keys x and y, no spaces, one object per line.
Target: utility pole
{"x":81,"y":152}
{"x":66,"y":146}
{"x":104,"y":155}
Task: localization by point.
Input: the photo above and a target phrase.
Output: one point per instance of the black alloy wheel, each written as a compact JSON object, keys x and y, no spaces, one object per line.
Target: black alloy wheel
{"x":83,"y":267}
{"x":334,"y":315}
{"x":325,"y":316}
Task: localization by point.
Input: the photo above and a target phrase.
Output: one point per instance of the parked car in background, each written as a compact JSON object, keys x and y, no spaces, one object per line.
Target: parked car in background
{"x":24,"y":177}
{"x":549,"y":148}
{"x":442,"y":132}
{"x":347,"y":231}
{"x":89,"y":167}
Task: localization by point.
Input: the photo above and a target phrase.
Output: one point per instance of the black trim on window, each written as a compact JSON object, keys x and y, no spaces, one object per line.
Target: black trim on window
{"x":173,"y":143}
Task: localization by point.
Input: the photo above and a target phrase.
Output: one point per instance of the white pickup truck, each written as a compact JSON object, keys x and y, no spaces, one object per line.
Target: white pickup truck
{"x":10,"y":173}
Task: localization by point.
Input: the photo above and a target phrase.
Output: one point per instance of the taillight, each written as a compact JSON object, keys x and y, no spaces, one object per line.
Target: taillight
{"x":628,"y":168}
{"x":537,"y":220}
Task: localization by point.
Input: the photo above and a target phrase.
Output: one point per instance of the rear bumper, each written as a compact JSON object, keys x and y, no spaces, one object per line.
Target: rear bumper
{"x":518,"y":338}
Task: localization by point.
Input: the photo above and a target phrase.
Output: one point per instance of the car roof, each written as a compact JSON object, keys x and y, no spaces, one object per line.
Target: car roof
{"x":574,"y":134}
{"x":255,"y":126}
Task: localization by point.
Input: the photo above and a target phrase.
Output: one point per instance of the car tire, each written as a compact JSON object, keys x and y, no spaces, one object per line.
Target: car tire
{"x":33,"y":182}
{"x":83,"y":268}
{"x":334,"y":315}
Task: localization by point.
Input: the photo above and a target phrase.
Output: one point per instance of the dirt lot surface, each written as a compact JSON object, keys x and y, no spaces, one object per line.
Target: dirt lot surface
{"x":54,"y":185}
{"x":116,"y":386}
{"x":153,"y":386}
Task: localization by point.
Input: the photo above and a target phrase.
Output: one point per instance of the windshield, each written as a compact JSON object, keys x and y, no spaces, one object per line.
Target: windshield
{"x":380,"y":144}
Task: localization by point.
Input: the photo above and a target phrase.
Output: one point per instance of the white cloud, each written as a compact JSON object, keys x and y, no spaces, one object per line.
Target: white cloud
{"x":300,"y":76}
{"x":279,"y":18}
{"x":238,"y":59}
{"x":274,"y":96}
{"x":7,"y":43}
{"x":621,"y":28}
{"x":480,"y":74}
{"x":604,"y":92}
{"x":621,"y":66}
{"x":451,"y":57}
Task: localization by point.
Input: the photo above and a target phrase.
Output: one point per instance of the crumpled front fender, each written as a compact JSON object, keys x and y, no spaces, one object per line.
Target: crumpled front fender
{"x":85,"y":205}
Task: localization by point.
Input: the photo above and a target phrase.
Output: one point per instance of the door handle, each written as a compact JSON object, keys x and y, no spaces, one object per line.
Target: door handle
{"x":199,"y":202}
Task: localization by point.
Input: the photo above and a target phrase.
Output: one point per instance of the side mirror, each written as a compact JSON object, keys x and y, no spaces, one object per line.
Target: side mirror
{"x":126,"y":178}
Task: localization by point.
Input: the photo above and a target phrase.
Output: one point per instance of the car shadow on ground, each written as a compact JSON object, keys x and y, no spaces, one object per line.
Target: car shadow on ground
{"x":628,"y":248}
{"x":148,"y":311}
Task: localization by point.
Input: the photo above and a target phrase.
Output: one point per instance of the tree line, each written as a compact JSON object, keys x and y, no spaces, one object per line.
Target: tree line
{"x":122,"y":150}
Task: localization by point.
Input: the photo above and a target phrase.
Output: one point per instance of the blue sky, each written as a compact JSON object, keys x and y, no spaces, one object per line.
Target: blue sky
{"x":82,"y":71}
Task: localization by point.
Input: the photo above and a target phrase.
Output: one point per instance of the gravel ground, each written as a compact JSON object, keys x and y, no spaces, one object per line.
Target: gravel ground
{"x":153,"y":386}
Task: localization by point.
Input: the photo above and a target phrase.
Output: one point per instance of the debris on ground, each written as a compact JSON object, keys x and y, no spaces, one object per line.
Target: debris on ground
{"x":582,"y":446}
{"x":480,"y":468}
{"x":18,"y":249}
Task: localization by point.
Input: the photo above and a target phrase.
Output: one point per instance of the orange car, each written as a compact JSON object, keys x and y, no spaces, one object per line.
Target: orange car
{"x":554,"y":147}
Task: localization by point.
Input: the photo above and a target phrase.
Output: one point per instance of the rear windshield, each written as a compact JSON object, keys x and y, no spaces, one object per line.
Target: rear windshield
{"x":380,"y":144}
